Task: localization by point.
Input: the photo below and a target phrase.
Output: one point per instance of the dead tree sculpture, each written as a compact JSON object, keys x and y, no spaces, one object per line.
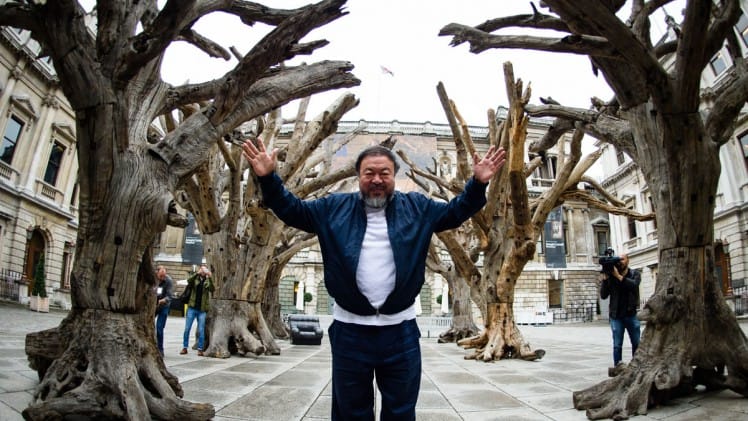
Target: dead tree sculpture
{"x":104,"y":362}
{"x":691,"y":336}
{"x":244,"y":240}
{"x":507,"y":229}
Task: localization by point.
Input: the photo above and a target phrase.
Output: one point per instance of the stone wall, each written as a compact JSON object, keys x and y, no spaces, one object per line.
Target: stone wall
{"x":579,"y":296}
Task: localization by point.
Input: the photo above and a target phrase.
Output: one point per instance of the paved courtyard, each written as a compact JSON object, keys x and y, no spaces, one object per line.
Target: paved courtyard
{"x":296,"y":384}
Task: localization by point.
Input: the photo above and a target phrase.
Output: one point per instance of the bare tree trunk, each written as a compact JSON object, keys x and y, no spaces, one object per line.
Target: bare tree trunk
{"x":691,"y":335}
{"x":463,"y":325}
{"x":271,"y":307}
{"x":113,"y":308}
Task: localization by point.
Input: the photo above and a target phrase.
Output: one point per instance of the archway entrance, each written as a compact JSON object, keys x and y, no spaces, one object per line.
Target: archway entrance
{"x":34,"y":250}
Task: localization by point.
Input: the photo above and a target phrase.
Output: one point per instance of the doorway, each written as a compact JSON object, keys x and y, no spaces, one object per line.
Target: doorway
{"x":34,"y":251}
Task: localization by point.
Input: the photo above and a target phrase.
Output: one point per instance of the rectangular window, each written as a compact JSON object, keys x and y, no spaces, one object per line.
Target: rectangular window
{"x":718,"y":64}
{"x":53,"y":165}
{"x":10,"y":139}
{"x":619,"y":156}
{"x":602,"y":242}
{"x":742,"y":28}
{"x":539,"y":245}
{"x":743,"y":138}
{"x":74,"y":199}
{"x":654,"y":210}
{"x":632,"y":228}
{"x":66,"y":257}
{"x":555,"y":293}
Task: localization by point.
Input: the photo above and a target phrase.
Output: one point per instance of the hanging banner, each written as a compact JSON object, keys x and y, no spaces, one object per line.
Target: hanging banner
{"x":553,"y":236}
{"x":192,"y":249}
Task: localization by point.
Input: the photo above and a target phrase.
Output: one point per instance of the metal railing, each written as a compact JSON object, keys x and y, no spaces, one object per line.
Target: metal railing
{"x":10,"y":283}
{"x":740,"y":300}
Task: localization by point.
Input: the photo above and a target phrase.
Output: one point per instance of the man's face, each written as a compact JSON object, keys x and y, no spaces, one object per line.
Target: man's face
{"x":161,"y":274}
{"x":376,"y":180}
{"x":624,"y":263}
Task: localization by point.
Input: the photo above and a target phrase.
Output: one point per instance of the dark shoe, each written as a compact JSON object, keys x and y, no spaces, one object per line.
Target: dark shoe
{"x":200,"y":353}
{"x":183,"y":351}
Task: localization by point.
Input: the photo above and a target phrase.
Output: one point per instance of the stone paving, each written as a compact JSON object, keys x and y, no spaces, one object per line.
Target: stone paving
{"x":296,"y":384}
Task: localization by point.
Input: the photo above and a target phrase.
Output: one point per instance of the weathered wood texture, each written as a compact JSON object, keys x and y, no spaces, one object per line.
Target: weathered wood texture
{"x":691,"y":336}
{"x":111,"y":369}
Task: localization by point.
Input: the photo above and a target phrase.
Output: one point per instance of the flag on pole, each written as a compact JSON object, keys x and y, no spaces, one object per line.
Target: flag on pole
{"x":386,"y":70}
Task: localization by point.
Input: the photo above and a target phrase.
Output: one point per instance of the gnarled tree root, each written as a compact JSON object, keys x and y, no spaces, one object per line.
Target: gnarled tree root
{"x":231,"y":324}
{"x":495,"y":344}
{"x":109,"y":368}
{"x":456,"y":334}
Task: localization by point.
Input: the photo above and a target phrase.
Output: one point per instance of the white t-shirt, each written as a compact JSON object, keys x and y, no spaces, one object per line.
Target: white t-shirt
{"x":375,"y":274}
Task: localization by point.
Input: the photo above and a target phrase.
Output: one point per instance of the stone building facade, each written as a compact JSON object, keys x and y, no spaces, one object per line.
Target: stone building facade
{"x":38,"y":172}
{"x":543,"y":295}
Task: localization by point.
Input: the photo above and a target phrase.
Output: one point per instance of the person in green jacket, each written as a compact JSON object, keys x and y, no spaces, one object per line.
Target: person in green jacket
{"x":201,"y":286}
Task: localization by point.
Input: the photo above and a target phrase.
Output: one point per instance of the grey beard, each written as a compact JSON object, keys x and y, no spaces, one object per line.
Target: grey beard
{"x":376,"y":202}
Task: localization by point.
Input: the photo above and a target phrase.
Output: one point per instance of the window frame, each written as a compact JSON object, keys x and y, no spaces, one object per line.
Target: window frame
{"x":52,"y":180}
{"x":21,"y":123}
{"x":718,"y":58}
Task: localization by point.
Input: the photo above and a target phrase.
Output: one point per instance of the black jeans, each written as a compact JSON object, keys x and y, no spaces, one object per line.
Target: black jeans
{"x":360,"y":353}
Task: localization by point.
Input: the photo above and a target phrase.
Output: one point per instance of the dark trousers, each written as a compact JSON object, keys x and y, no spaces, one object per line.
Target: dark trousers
{"x":631,"y":325}
{"x":360,"y":353}
{"x":161,"y":314}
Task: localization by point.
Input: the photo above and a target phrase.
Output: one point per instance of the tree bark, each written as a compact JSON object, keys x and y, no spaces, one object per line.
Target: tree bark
{"x":79,"y":382}
{"x":691,"y":336}
{"x":463,"y":325}
{"x":103,"y":362}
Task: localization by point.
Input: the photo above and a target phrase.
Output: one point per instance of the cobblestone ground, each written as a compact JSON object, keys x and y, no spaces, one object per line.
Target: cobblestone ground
{"x":296,"y":384}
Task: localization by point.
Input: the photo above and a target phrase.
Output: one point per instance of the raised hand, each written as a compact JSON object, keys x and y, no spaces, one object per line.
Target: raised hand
{"x":484,"y":169}
{"x":262,"y":162}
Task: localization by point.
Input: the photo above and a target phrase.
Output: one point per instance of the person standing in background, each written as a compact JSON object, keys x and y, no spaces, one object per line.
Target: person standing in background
{"x":164,"y":295}
{"x":622,"y":286}
{"x":198,"y":303}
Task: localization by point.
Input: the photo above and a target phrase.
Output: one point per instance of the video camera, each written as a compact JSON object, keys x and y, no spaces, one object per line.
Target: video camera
{"x":609,"y":260}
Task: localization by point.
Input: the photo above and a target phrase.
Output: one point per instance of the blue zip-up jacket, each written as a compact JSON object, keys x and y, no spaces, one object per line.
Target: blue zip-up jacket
{"x":339,"y":220}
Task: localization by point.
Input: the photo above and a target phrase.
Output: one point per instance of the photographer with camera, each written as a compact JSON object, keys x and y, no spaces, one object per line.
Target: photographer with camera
{"x":621,"y":284}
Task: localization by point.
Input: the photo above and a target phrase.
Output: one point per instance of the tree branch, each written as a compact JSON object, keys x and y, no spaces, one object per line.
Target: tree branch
{"x":574,"y":44}
{"x":727,"y":106}
{"x":606,"y":194}
{"x":691,"y":56}
{"x":271,"y":50}
{"x":315,"y":131}
{"x":599,"y":19}
{"x":22,"y":16}
{"x":209,"y":47}
{"x":592,"y":201}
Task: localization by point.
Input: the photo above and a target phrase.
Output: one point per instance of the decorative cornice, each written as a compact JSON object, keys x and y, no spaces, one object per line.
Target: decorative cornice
{"x":65,"y":130}
{"x":27,"y":47}
{"x":50,"y":100}
{"x":23,"y":104}
{"x":419,"y":129}
{"x":623,"y":171}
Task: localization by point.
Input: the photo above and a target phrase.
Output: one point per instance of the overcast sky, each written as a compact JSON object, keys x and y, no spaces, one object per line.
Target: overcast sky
{"x":402,"y":36}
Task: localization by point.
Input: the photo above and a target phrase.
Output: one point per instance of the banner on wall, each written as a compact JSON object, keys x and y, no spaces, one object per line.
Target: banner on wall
{"x":553,"y":237}
{"x":192,"y":249}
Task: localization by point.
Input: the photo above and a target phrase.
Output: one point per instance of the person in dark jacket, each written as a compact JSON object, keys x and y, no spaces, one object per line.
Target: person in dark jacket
{"x":164,"y":295}
{"x":622,"y":286}
{"x":374,"y":245}
{"x":198,"y":303}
